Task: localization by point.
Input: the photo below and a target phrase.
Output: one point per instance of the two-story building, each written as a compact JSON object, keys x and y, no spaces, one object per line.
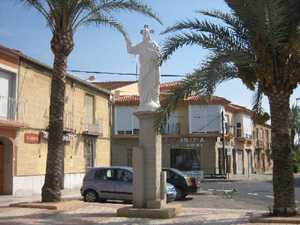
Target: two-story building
{"x":193,"y":136}
{"x":24,"y":117}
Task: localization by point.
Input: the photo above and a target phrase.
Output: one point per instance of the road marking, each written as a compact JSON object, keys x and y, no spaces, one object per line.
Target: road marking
{"x":269,"y":196}
{"x":254,"y":194}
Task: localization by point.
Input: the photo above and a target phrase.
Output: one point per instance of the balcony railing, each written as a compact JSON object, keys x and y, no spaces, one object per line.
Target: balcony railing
{"x":171,"y":128}
{"x":11,"y":109}
{"x":68,"y":121}
{"x":93,"y":128}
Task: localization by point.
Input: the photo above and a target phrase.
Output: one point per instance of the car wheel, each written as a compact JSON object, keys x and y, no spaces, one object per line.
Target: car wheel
{"x":179,"y":194}
{"x":90,"y":196}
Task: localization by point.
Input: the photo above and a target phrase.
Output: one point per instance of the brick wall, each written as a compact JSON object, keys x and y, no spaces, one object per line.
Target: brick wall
{"x":34,"y":90}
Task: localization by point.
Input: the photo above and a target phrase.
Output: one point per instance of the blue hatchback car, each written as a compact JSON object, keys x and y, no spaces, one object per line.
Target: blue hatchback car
{"x":113,"y":183}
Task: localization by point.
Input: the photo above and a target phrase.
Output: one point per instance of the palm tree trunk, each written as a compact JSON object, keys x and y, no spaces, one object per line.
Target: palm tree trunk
{"x":54,"y":170}
{"x":283,"y":177}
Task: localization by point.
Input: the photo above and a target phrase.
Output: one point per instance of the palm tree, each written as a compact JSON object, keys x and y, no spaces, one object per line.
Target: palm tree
{"x":64,"y":17}
{"x":258,"y":43}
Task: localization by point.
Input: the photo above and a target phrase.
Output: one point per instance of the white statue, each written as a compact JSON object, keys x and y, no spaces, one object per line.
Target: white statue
{"x":149,"y":58}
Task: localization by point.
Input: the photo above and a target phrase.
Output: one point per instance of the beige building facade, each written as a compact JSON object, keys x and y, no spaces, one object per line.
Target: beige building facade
{"x":192,"y":139}
{"x":24,"y":117}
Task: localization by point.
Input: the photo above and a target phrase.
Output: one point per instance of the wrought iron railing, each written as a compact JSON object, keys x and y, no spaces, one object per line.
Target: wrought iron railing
{"x":11,"y":109}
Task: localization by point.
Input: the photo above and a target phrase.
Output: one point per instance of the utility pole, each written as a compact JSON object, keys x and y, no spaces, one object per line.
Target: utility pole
{"x":223,"y":145}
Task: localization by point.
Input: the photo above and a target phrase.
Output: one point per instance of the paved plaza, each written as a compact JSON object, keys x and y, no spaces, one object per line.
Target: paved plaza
{"x":105,"y":213}
{"x":209,"y":209}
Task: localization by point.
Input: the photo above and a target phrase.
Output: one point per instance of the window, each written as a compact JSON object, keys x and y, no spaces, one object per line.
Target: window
{"x":124,"y":175}
{"x":238,"y":130}
{"x":90,"y":151}
{"x":226,"y":126}
{"x":125,"y":121}
{"x":89,"y":109}
{"x":172,"y":176}
{"x":104,"y":174}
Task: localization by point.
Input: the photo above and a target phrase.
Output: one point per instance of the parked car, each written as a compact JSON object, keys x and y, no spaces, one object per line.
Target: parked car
{"x":183,"y":184}
{"x":113,"y":183}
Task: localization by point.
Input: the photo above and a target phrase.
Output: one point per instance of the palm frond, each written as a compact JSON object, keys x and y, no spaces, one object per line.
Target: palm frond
{"x":108,"y":21}
{"x":40,"y":6}
{"x":231,"y":21}
{"x":108,"y":7}
{"x":205,"y":34}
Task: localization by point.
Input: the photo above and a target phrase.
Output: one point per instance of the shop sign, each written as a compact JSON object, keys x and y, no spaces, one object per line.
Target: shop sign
{"x":67,"y":137}
{"x":31,"y":138}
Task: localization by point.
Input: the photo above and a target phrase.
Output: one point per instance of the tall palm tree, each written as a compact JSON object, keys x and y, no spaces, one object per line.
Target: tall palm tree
{"x":64,"y":17}
{"x":258,"y":43}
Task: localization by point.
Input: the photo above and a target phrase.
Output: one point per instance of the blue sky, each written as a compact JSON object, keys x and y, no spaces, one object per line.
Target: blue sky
{"x":102,"y":49}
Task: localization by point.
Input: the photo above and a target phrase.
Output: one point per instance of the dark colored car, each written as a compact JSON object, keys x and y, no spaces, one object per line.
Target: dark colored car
{"x":113,"y":183}
{"x":183,"y":183}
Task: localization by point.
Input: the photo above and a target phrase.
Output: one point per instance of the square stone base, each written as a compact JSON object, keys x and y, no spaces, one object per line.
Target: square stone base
{"x":163,"y":213}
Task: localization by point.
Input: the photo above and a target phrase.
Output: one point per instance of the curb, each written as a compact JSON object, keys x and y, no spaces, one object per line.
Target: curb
{"x":64,"y":205}
{"x":278,"y":220}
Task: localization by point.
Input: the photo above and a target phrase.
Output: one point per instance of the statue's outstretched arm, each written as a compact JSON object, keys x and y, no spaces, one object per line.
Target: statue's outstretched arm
{"x":131,"y":49}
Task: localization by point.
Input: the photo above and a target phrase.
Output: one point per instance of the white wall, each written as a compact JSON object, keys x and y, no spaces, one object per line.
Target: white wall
{"x":246,"y":122}
{"x":247,"y":126}
{"x":124,"y":119}
{"x":205,"y":118}
{"x":29,"y":185}
{"x":172,"y":125}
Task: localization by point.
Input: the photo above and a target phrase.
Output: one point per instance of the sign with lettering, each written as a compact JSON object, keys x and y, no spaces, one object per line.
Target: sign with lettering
{"x":31,"y":138}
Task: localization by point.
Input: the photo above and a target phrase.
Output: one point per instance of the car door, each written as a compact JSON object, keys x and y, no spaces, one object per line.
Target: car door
{"x":104,"y":183}
{"x":174,"y":179}
{"x":123,"y":184}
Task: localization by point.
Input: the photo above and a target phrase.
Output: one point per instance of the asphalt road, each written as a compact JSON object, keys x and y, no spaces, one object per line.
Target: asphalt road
{"x":252,"y":194}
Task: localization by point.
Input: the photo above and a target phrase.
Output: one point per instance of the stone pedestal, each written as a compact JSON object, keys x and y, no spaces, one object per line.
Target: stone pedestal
{"x":149,"y":182}
{"x":147,"y":187}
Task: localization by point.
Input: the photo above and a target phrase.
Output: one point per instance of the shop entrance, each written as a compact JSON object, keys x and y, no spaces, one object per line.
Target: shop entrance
{"x":6,"y":153}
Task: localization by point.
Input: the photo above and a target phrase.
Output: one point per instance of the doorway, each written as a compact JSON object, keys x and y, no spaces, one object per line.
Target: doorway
{"x":6,"y":165}
{"x":250,"y":159}
{"x":239,"y":162}
{"x":90,"y":151}
{"x":185,"y":159}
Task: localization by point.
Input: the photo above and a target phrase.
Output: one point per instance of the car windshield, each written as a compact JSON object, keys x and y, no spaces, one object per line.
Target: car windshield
{"x":177,"y":171}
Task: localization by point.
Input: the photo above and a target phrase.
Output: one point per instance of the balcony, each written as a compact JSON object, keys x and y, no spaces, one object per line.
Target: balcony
{"x":11,"y":110}
{"x":259,"y":144}
{"x":68,"y":121}
{"x":93,"y":129}
{"x":173,"y":128}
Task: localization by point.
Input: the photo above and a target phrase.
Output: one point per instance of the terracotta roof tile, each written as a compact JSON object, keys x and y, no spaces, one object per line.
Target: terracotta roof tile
{"x":214,"y":100}
{"x":169,"y":85}
{"x":127,"y":100}
{"x":203,"y":99}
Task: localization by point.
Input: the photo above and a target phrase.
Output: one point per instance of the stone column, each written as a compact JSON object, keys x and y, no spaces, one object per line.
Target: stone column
{"x":147,"y":187}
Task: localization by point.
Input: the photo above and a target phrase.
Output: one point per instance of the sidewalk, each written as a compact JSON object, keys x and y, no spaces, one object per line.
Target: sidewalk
{"x":105,"y":213}
{"x":6,"y":200}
